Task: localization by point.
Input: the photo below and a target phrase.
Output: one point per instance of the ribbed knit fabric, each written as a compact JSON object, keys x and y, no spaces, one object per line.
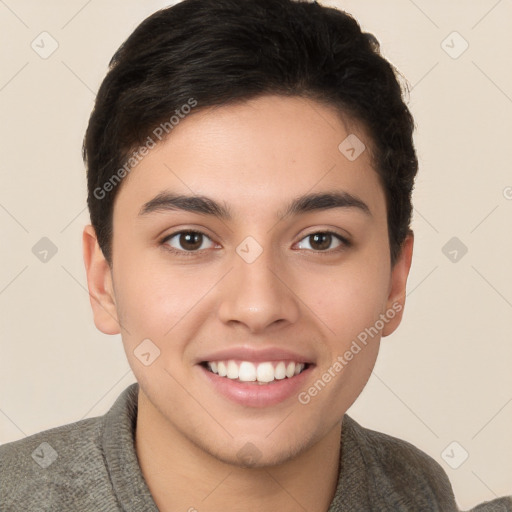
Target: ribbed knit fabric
{"x":92,"y":466}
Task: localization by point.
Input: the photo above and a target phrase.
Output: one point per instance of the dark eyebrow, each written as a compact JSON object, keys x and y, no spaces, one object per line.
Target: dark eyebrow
{"x":324,"y":201}
{"x":167,"y":201}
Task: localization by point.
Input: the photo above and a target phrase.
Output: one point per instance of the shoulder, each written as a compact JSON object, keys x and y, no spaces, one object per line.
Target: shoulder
{"x":60,"y":466}
{"x":405,"y":476}
{"x":498,"y":505}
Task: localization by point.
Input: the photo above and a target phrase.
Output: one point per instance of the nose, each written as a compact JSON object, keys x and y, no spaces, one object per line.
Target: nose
{"x":257,"y":295}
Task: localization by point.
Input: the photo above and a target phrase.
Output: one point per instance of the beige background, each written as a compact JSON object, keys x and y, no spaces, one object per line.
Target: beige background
{"x":444,"y":376}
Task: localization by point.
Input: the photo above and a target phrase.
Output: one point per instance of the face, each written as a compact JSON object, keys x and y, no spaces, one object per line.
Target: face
{"x":250,"y":278}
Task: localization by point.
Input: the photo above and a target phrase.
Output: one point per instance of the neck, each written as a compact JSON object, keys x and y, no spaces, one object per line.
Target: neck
{"x":181,"y":476}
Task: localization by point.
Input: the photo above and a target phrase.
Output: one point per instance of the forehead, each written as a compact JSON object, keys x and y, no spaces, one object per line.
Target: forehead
{"x":257,"y":154}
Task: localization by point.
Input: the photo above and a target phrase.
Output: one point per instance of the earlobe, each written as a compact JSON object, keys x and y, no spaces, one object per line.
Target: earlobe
{"x":397,"y":290}
{"x":99,"y":282}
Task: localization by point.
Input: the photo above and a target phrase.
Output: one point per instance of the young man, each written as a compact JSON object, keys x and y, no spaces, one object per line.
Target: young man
{"x":250,"y":168}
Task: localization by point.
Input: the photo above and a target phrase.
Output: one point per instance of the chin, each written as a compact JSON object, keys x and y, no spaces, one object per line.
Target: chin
{"x":260,"y":451}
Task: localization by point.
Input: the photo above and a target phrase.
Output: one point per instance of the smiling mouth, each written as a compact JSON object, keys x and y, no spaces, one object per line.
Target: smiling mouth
{"x":258,"y":373}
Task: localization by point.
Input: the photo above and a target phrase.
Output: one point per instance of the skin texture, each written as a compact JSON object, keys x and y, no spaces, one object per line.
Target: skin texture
{"x":254,"y":157}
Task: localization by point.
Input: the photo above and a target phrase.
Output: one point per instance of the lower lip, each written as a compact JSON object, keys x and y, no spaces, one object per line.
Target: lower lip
{"x":251,"y":394}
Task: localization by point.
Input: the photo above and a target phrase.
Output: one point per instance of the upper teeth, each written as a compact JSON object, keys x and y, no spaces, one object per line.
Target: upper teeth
{"x":250,"y":372}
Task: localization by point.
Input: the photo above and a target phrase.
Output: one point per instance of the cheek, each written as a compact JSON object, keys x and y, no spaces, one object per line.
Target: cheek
{"x":164,"y":304}
{"x":150,"y":307}
{"x":349,"y":298}
{"x":150,"y":300}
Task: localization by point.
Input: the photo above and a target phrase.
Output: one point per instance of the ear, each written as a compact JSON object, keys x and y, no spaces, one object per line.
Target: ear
{"x":397,"y":285}
{"x":99,"y":282}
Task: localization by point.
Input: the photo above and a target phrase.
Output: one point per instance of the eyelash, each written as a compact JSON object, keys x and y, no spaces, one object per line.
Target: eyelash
{"x":344,"y":243}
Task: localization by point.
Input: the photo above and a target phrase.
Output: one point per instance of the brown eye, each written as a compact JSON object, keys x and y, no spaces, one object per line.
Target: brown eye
{"x":187,"y":241}
{"x":322,"y":241}
{"x":190,"y":241}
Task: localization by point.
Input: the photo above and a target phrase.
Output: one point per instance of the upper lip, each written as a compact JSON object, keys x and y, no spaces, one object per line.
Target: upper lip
{"x":255,"y":355}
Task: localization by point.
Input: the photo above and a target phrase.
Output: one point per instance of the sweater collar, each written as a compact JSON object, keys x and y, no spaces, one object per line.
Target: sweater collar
{"x":132,"y":491}
{"x":118,"y":441}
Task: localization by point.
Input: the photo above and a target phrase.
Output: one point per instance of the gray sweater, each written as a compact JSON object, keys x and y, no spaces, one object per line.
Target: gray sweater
{"x":91,"y":466}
